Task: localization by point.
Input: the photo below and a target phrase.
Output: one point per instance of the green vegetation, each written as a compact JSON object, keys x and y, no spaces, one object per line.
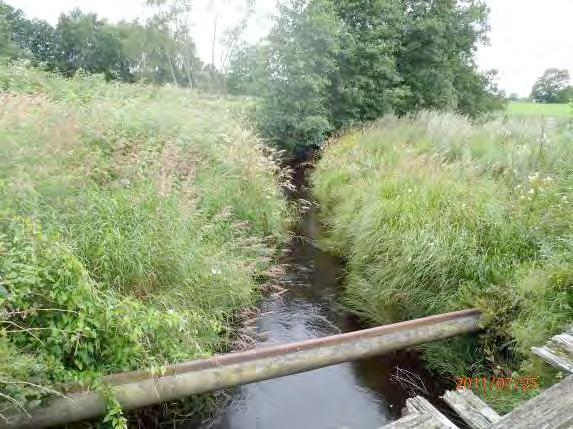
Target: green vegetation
{"x":515,"y":108}
{"x":325,"y":66}
{"x":138,"y":220}
{"x":435,"y":214}
{"x":135,"y":223}
{"x":333,"y":64}
{"x":158,"y":50}
{"x":553,"y":87}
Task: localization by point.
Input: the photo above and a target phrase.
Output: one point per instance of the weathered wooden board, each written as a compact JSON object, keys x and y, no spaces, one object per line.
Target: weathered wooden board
{"x":554,"y":357}
{"x":558,"y":351}
{"x":420,"y":414}
{"x":415,"y":421}
{"x":419,"y":405}
{"x":565,"y":341}
{"x":552,"y":409}
{"x":476,"y":413}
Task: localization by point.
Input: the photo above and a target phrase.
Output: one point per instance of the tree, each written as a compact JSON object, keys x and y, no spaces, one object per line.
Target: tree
{"x":333,"y":64}
{"x":171,"y":18}
{"x":366,"y":83}
{"x":8,"y":22}
{"x":566,"y":95}
{"x":436,"y":55}
{"x":303,"y":46}
{"x":551,"y":87}
{"x":156,"y":56}
{"x":85,"y":42}
{"x":160,"y":50}
{"x":246,"y":73}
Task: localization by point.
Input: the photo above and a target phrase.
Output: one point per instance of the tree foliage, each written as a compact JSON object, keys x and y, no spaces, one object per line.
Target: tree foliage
{"x":552,"y":87}
{"x":246,"y":73}
{"x":303,"y":48}
{"x":351,"y":61}
{"x":436,"y":55}
{"x":85,"y":42}
{"x":159,"y":50}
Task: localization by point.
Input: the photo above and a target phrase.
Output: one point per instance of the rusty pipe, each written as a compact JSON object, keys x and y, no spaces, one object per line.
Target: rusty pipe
{"x":140,"y":388}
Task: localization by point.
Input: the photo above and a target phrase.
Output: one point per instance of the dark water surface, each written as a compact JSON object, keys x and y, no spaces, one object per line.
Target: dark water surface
{"x":361,"y":394}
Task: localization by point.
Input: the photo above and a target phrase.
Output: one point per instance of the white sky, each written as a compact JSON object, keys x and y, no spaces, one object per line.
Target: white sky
{"x":527,"y":36}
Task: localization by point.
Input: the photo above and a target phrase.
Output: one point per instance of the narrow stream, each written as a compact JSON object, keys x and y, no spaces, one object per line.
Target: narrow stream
{"x":361,"y":394}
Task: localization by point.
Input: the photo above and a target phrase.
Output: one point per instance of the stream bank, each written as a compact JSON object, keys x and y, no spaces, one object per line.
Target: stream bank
{"x":360,"y":394}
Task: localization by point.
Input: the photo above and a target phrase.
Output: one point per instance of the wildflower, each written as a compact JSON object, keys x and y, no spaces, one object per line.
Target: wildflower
{"x":215,"y":271}
{"x":532,"y":191}
{"x":170,"y":311}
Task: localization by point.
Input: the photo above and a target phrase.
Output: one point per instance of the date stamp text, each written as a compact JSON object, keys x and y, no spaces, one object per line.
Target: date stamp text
{"x":488,"y":385}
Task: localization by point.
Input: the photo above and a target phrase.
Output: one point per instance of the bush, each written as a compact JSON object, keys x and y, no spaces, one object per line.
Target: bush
{"x":435,"y":214}
{"x":135,"y":223}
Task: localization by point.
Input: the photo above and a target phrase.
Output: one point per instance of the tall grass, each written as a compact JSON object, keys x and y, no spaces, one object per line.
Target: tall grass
{"x":435,"y":214}
{"x":135,"y":222}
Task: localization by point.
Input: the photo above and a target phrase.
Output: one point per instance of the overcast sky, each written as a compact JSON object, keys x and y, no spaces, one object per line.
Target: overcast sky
{"x":527,"y":36}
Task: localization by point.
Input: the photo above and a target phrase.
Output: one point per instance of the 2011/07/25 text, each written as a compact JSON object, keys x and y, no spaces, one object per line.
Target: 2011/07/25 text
{"x":485,"y":384}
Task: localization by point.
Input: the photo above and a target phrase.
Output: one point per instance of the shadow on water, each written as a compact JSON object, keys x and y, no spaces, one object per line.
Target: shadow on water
{"x":361,"y":394}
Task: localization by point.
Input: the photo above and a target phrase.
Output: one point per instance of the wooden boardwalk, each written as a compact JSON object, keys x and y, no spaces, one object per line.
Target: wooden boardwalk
{"x":552,"y":409}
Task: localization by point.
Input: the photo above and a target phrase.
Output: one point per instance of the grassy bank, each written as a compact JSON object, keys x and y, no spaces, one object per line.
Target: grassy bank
{"x":135,"y":222}
{"x":523,"y":109}
{"x":435,"y":214}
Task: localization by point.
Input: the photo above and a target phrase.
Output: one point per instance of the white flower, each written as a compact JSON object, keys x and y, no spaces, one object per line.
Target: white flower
{"x":215,"y":271}
{"x":170,"y":311}
{"x":532,"y":191}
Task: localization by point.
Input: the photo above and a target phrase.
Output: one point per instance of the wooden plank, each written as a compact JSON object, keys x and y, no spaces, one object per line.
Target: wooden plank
{"x":476,"y":413}
{"x":415,"y":421}
{"x":555,"y":357}
{"x":420,"y":414}
{"x":565,"y":342}
{"x":419,"y":405}
{"x":552,"y":409}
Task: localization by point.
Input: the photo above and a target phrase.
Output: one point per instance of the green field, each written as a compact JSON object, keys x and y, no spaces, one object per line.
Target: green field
{"x":517,"y":108}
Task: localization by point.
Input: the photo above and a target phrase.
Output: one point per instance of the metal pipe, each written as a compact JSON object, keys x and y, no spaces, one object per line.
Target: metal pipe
{"x":140,"y":388}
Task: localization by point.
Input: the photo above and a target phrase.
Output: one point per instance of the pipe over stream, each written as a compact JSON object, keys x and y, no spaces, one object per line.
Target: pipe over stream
{"x":141,"y":388}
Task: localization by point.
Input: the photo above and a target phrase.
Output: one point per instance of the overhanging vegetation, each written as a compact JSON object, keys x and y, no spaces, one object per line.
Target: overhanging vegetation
{"x":436,"y":214}
{"x":135,"y":222}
